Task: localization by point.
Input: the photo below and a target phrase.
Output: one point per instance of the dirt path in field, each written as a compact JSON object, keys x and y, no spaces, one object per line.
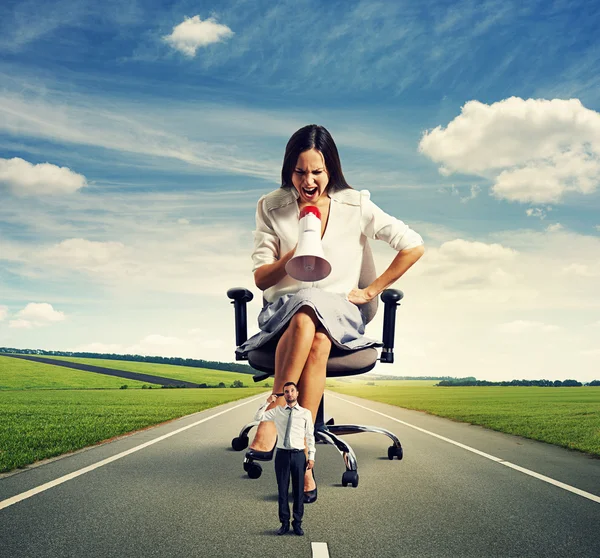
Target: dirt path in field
{"x":108,"y":371}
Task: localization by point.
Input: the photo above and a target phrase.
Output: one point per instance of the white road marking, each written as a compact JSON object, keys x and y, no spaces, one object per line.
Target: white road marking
{"x":75,"y":474}
{"x":549,"y":480}
{"x":319,"y":550}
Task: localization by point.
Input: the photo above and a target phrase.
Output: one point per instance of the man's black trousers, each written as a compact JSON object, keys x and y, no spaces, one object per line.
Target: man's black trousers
{"x":290,"y":463}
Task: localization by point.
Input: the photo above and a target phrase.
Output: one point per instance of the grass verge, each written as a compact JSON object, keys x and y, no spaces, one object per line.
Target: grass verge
{"x":567,"y":417}
{"x":36,"y":425}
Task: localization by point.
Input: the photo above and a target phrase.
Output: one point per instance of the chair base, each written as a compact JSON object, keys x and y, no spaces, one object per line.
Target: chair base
{"x":326,"y":433}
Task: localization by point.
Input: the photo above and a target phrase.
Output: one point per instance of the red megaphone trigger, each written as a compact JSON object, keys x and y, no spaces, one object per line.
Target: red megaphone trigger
{"x":310,"y":209}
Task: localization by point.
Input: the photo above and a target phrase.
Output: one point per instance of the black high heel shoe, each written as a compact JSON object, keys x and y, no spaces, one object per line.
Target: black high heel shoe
{"x":261,"y":455}
{"x":310,"y":496}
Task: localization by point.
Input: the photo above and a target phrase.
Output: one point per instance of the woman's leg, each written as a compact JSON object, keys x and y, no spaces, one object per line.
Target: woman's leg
{"x":312,"y":384}
{"x":292,"y":352}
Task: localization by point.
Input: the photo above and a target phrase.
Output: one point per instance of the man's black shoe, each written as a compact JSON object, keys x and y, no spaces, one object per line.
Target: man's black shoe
{"x":285,"y":527}
{"x":298,"y":529}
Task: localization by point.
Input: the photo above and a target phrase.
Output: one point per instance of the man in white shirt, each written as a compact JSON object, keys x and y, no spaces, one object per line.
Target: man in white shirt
{"x":294,"y":424}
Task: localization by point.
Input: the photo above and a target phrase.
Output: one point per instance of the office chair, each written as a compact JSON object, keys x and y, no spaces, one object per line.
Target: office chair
{"x":340,"y":363}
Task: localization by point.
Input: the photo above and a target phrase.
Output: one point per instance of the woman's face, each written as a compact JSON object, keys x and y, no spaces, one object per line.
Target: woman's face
{"x":310,"y":176}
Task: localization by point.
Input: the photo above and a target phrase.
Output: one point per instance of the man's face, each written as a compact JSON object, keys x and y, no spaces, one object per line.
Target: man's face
{"x":291,"y":394}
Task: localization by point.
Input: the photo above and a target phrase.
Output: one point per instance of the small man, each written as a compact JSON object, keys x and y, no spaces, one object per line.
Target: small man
{"x":293,"y":423}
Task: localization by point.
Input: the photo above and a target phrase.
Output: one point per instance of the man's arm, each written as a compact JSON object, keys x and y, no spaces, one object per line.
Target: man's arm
{"x":265,"y":416}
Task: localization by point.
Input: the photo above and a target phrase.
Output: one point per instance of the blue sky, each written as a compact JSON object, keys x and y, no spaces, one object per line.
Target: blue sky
{"x":135,"y":140}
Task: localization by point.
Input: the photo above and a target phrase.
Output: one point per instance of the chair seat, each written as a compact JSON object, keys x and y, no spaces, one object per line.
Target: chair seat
{"x":340,"y":363}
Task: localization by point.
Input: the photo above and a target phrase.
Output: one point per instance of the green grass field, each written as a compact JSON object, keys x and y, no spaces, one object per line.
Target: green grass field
{"x":567,"y":417}
{"x":24,"y":374}
{"x":186,"y":373}
{"x":48,"y":410}
{"x":36,"y":425}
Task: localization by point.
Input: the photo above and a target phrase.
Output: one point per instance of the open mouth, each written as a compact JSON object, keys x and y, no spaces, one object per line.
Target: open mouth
{"x":310,"y":191}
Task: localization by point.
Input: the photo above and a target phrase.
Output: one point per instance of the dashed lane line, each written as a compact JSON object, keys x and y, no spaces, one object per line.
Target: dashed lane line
{"x":319,"y":550}
{"x":569,"y":488}
{"x":51,"y":484}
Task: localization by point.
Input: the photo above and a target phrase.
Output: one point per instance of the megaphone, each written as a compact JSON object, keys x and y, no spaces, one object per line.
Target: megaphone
{"x":309,"y":263}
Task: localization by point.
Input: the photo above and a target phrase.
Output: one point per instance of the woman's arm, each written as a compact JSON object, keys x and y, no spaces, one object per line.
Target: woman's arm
{"x":268,"y":275}
{"x":269,"y":269}
{"x":401,"y":263}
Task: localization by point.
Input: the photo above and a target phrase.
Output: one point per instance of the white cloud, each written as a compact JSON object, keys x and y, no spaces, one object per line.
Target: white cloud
{"x":547,"y":181}
{"x":153,"y":131}
{"x":534,"y":150}
{"x":3,"y":312}
{"x":460,"y":249}
{"x":554,"y":228}
{"x":95,"y":347}
{"x":26,"y":179}
{"x":524,"y":326}
{"x":194,"y":33}
{"x":37,"y":315}
{"x":192,"y":259}
{"x":474,"y":191}
{"x":464,"y":266}
{"x":538,"y":212}
{"x":189,"y":345}
{"x":20,"y":324}
{"x":83,"y":254}
{"x":582,"y":270}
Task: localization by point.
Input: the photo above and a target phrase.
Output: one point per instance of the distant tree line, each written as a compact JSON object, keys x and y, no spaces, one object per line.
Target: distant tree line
{"x":196,"y":363}
{"x":386,"y":377}
{"x":470,"y":381}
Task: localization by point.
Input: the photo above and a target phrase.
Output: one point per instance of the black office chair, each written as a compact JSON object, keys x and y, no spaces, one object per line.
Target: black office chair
{"x":340,"y":363}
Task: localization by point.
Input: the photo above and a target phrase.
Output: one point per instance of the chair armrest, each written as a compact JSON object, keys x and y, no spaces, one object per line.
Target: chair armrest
{"x":391,"y":299}
{"x":239,"y":298}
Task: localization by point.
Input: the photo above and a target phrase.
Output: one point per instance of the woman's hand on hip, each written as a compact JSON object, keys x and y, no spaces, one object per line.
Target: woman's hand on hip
{"x":359,"y":296}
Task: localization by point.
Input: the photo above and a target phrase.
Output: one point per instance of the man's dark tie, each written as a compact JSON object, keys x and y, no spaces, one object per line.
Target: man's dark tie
{"x":286,"y":439}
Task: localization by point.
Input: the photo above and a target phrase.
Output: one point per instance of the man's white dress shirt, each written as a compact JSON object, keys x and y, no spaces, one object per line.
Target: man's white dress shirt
{"x":302,"y":426}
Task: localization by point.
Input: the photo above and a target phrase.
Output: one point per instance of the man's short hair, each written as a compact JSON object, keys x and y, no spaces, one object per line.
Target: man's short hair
{"x":290,"y":384}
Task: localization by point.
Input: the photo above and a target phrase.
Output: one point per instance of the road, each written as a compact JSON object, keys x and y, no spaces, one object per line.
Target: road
{"x":186,"y":495}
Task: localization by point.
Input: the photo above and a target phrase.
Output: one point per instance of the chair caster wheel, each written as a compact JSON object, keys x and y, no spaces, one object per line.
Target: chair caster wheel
{"x":254,"y":470}
{"x":394,"y":451}
{"x":350,"y":477}
{"x":240,"y":443}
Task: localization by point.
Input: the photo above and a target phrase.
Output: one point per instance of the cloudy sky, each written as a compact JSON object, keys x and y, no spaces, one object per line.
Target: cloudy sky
{"x":136,"y":138}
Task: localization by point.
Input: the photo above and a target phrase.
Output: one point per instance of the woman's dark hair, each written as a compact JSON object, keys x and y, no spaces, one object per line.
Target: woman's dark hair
{"x":313,"y":137}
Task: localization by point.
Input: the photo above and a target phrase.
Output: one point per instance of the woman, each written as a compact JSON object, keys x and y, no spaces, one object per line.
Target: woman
{"x":306,"y":319}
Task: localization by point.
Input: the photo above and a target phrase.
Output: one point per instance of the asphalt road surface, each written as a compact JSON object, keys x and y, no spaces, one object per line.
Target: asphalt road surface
{"x":460,"y":491}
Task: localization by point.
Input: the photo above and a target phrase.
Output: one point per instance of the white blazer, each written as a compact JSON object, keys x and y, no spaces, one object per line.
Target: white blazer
{"x":353,"y":218}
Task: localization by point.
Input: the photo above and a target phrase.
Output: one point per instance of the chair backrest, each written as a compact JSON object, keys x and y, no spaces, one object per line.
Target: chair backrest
{"x":368,"y":274}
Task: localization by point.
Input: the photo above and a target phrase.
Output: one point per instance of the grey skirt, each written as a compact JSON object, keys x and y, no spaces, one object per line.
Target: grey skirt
{"x":341,"y":319}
